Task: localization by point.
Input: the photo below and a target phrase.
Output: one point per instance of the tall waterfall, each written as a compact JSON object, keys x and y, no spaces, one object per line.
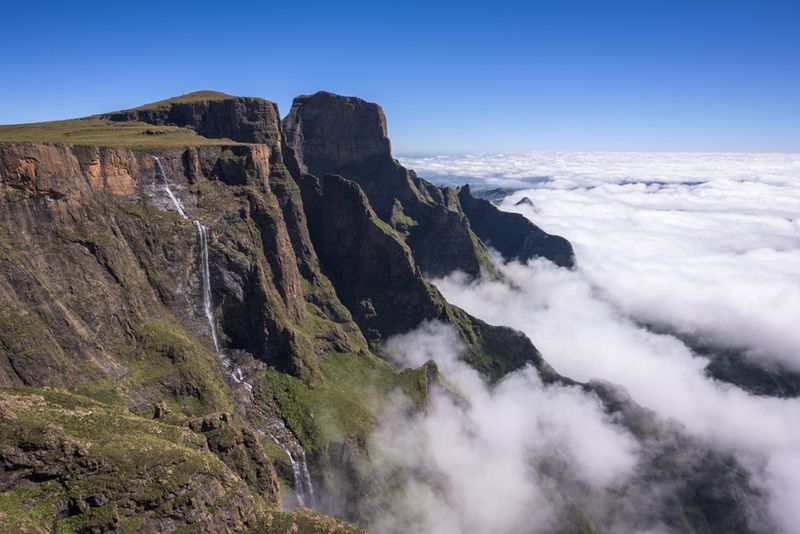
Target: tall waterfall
{"x":202,"y":237}
{"x":202,"y":234}
{"x":285,"y":439}
{"x":170,"y":194}
{"x":282,"y":436}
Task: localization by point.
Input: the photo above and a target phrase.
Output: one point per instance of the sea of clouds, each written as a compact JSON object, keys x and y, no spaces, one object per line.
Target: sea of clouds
{"x":705,"y":245}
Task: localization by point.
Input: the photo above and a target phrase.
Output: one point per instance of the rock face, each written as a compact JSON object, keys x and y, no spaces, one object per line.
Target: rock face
{"x":90,"y":468}
{"x":347,"y":136}
{"x":511,"y":234}
{"x":376,"y":277}
{"x":248,"y":120}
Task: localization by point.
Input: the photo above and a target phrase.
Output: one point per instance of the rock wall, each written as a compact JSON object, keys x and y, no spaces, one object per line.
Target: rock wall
{"x":447,"y":230}
{"x":248,"y":120}
{"x":513,"y":235}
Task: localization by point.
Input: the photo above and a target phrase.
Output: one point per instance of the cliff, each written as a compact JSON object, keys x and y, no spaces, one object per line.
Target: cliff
{"x":211,"y":114}
{"x":347,"y":136}
{"x":511,"y":234}
{"x":102,"y":288}
{"x":195,"y":302}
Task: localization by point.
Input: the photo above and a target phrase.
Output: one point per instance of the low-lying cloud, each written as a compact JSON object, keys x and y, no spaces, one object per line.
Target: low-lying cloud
{"x":706,"y":245}
{"x":476,"y":460}
{"x":703,"y":245}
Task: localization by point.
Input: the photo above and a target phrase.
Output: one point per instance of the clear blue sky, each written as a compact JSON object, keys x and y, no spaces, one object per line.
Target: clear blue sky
{"x":560,"y":75}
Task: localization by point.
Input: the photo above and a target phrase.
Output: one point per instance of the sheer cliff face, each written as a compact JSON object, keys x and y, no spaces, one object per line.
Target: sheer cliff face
{"x":346,"y":136}
{"x":248,"y":120}
{"x":511,"y":234}
{"x":335,"y":134}
{"x":91,"y":261}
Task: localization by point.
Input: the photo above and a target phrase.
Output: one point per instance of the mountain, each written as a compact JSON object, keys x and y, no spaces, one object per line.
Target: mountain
{"x":194,"y":297}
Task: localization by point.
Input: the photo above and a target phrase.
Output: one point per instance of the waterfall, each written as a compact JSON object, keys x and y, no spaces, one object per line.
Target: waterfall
{"x":283,"y":438}
{"x":202,"y":237}
{"x":170,"y":194}
{"x":278,"y":432}
{"x":202,"y":234}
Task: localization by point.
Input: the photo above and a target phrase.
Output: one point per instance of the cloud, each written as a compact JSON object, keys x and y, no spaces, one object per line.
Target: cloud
{"x":585,"y":337}
{"x":706,"y":245}
{"x":703,"y":245}
{"x":474,"y":462}
{"x":586,"y":169}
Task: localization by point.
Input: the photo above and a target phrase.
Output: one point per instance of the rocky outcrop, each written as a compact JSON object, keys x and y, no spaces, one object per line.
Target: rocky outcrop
{"x":445,"y":229}
{"x":86,"y":467}
{"x":248,"y":120}
{"x":376,"y":277}
{"x":347,"y":136}
{"x":513,"y":235}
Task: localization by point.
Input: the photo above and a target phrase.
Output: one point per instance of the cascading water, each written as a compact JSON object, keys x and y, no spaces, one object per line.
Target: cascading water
{"x":202,"y":235}
{"x":283,"y":438}
{"x":170,"y":194}
{"x":278,"y":432}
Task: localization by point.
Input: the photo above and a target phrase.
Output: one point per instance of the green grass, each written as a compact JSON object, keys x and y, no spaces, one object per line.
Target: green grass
{"x":196,"y":96}
{"x":30,"y":507}
{"x":399,"y":218}
{"x":169,"y":358}
{"x":103,"y":133}
{"x":125,"y":134}
{"x":302,"y":521}
{"x":345,"y":406}
{"x":120,"y":457}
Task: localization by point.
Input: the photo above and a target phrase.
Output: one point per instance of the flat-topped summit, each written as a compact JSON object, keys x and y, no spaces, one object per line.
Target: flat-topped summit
{"x":333,"y":133}
{"x":194,"y":96}
{"x":212,"y":115}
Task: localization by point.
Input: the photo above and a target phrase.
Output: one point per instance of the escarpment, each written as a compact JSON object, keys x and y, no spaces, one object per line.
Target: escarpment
{"x":511,"y":234}
{"x":347,"y":136}
{"x":376,"y":277}
{"x":118,"y":412}
{"x":211,"y":114}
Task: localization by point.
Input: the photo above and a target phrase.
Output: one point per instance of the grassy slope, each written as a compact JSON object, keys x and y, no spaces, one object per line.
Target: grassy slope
{"x":197,"y":96}
{"x":345,"y":406}
{"x":131,"y":135}
{"x":123,"y":458}
{"x":98,"y":132}
{"x":133,"y":471}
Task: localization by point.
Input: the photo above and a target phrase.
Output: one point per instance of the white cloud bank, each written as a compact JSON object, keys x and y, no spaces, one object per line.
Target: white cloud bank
{"x":702,"y":244}
{"x":475,"y":464}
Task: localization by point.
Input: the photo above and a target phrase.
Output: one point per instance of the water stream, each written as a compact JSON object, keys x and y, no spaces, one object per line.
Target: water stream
{"x":285,"y":439}
{"x":202,"y":237}
{"x":277,"y":431}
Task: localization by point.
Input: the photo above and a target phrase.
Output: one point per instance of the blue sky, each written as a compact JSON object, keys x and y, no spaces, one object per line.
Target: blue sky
{"x":568,"y":75}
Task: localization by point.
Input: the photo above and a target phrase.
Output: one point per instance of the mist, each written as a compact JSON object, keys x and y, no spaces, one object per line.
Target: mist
{"x":500,"y":459}
{"x":705,"y":246}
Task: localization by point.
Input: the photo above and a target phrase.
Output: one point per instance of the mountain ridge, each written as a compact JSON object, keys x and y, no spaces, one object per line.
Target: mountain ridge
{"x":320,"y":246}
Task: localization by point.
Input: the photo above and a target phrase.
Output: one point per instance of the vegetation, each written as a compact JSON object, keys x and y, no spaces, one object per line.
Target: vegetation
{"x":345,"y":406}
{"x":196,"y":96}
{"x":137,"y":136}
{"x":302,"y":521}
{"x":81,"y":465}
